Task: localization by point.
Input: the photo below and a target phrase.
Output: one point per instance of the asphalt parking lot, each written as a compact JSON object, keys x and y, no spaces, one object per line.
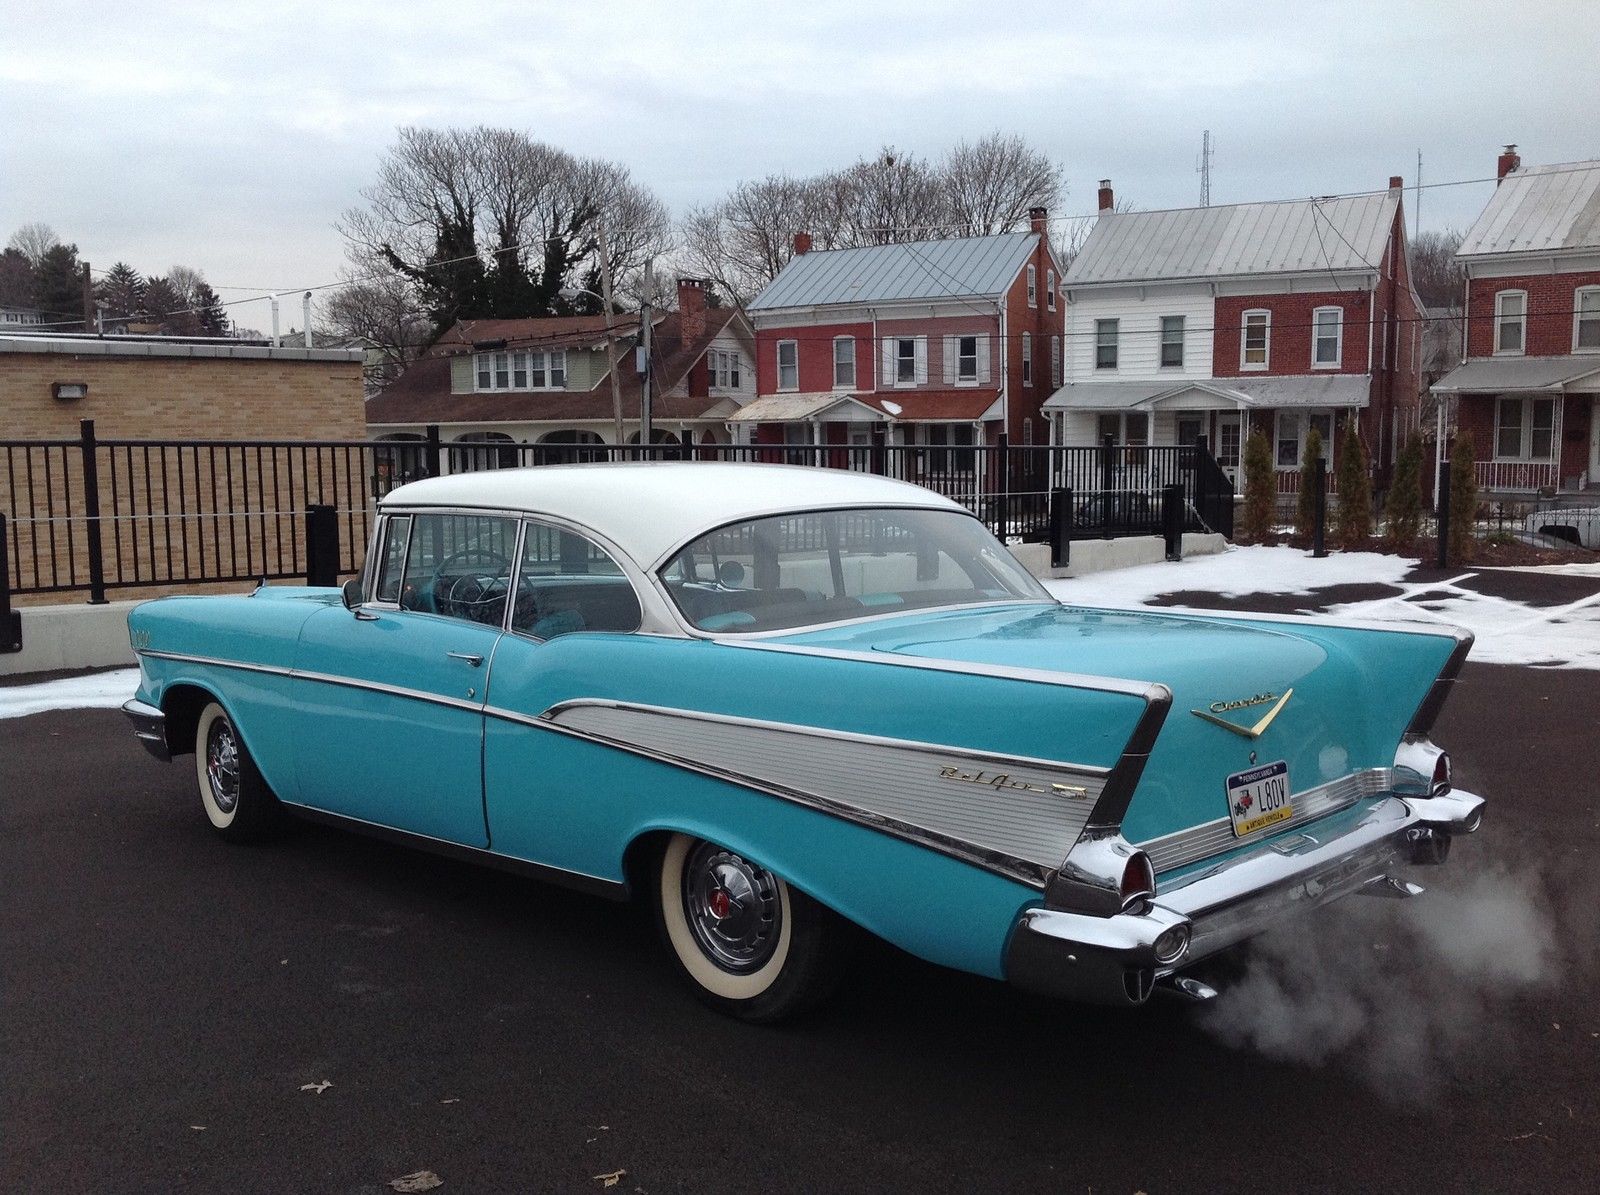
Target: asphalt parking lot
{"x":167,"y":1000}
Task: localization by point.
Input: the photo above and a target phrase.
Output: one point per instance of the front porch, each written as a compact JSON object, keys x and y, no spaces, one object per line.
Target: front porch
{"x":1532,"y":422}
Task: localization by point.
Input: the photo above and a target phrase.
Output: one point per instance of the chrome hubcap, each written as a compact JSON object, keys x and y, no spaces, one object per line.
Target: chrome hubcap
{"x":732,"y":907}
{"x":222,"y":765}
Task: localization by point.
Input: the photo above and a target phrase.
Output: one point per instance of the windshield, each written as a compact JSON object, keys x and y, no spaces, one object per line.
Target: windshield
{"x":827,"y":566}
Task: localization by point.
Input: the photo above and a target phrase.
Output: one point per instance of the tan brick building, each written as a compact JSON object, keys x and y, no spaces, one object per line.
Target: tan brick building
{"x":171,"y":513}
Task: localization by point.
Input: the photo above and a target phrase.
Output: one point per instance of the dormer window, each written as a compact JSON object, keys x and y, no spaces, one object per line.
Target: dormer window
{"x":542,"y":370}
{"x":1510,"y":321}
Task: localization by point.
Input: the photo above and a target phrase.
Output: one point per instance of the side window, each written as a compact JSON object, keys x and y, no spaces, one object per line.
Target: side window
{"x":459,"y":566}
{"x":393,"y":559}
{"x":567,"y":583}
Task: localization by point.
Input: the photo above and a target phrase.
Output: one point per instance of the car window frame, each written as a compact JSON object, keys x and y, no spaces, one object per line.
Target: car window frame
{"x":414,"y":513}
{"x":615,"y":555}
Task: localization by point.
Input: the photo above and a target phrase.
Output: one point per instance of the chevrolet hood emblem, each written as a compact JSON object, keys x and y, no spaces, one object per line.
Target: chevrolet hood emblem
{"x":1249,"y":732}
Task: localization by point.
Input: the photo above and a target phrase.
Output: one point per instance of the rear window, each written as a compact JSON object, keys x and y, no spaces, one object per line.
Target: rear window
{"x":828,"y":566}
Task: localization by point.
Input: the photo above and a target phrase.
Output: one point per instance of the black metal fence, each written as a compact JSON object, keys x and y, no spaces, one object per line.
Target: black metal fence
{"x":102,"y":515}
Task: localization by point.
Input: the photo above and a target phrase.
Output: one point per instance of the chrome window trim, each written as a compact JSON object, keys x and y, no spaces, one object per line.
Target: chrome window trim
{"x":881,"y":616}
{"x":614,"y":557}
{"x":329,"y":678}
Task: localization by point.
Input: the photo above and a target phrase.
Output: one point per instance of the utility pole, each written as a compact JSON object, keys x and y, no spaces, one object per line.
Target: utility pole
{"x":611,"y":342}
{"x":88,"y":298}
{"x":646,"y":432}
{"x":1417,"y":213}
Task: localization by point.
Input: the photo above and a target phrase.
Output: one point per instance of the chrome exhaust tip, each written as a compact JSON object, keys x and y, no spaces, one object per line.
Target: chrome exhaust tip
{"x":1188,"y":987}
{"x":1391,"y":886}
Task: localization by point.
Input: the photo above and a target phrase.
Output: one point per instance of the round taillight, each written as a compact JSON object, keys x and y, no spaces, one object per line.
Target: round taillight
{"x":1172,"y":945}
{"x":1441,"y":772}
{"x":1138,"y":879}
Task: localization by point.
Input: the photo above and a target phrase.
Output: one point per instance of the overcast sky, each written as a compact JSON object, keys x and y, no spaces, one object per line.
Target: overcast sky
{"x":230,"y":136}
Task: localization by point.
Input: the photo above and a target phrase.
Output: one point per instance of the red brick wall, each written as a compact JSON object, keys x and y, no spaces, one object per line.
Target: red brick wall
{"x":816,"y":355}
{"x":1289,"y":339}
{"x":1042,"y":323}
{"x":1551,"y":301}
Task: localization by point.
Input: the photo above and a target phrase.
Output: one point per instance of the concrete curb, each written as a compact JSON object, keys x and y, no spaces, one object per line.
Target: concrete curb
{"x":1102,"y":555}
{"x":56,"y":638}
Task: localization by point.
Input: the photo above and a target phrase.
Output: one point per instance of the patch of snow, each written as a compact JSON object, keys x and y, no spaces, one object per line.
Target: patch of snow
{"x":893,"y":408}
{"x":1237,"y":572}
{"x":101,"y":690}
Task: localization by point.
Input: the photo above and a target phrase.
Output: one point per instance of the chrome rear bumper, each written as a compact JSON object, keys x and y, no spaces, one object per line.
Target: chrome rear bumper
{"x":149,"y":727}
{"x":1113,"y":960}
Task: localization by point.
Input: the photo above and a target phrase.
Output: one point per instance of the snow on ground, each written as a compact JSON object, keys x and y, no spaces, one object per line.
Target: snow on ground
{"x":1507,"y":632}
{"x":100,"y":690}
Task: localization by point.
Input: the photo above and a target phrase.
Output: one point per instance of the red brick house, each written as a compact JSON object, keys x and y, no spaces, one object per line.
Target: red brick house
{"x":1527,"y":388}
{"x":1216,"y":321}
{"x":948,"y":342}
{"x":547,"y":381}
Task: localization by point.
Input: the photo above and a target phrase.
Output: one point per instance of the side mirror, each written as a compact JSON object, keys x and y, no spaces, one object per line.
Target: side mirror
{"x":352,"y":593}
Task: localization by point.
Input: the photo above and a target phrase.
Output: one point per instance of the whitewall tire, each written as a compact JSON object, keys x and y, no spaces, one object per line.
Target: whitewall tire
{"x":748,"y":943}
{"x":236,"y":800}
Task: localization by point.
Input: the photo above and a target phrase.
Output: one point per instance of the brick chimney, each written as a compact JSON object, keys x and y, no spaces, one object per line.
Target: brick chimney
{"x":1107,"y":201}
{"x":691,"y":308}
{"x":1396,"y":183}
{"x":1507,"y":162}
{"x":802,"y":243}
{"x":1038,"y":218}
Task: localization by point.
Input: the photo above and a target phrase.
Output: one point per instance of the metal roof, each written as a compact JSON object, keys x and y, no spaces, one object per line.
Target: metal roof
{"x":1290,"y":237}
{"x":791,"y":408}
{"x":964,"y":267}
{"x":1496,"y":375}
{"x":1301,"y":390}
{"x":1540,"y":209}
{"x":649,"y":508}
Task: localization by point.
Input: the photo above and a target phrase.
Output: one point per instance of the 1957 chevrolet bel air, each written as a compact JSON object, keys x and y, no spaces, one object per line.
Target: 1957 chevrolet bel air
{"x":774,"y":699}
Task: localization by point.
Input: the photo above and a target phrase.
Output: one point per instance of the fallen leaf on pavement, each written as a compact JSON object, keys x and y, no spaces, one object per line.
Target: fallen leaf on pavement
{"x":610,"y":1180}
{"x":421,"y":1180}
{"x":319,"y":1088}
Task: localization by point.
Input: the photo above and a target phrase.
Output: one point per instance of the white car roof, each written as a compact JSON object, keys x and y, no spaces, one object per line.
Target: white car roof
{"x":650,"y":508}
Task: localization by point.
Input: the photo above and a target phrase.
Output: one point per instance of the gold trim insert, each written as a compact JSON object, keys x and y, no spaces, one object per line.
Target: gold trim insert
{"x":1249,"y":732}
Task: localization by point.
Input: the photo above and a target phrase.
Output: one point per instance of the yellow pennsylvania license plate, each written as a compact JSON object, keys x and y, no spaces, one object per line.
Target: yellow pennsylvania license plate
{"x":1259,"y":798}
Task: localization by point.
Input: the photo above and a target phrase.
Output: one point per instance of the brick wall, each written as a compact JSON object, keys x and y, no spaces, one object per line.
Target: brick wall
{"x":1551,"y":302}
{"x":1024,"y":402}
{"x":1289,"y":332}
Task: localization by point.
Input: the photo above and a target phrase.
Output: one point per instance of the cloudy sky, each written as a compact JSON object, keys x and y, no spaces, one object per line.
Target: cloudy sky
{"x":230,"y":136}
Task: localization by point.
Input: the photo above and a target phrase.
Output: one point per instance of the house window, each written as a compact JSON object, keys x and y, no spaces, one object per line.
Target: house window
{"x":1188,"y":430}
{"x":788,"y":365}
{"x":1293,"y":427}
{"x":844,"y":361}
{"x":1510,"y":321}
{"x":1105,"y":343}
{"x":1327,"y":336}
{"x":485,"y":371}
{"x":1129,"y":427}
{"x":521,"y":371}
{"x":724,"y":367}
{"x":1228,"y":440}
{"x":1525,"y":429}
{"x":1253,"y":339}
{"x":1055,"y":361}
{"x":1033,"y":286}
{"x":1050,"y":289}
{"x":967,"y":359}
{"x":905,"y":361}
{"x":1172,"y":341}
{"x":1027,"y":358}
{"x":502,"y":371}
{"x":558,"y":369}
{"x":1586,"y":331}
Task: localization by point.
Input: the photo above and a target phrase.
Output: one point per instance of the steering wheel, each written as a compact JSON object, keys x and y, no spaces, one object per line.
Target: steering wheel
{"x":472,"y":594}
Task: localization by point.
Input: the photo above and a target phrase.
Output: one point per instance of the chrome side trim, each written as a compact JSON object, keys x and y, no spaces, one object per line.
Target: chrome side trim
{"x":149,"y":727}
{"x":323,"y":677}
{"x":1182,"y":847}
{"x":1428,"y":710}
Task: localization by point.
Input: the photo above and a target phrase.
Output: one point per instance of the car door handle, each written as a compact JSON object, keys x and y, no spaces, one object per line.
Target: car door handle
{"x":469,"y":657}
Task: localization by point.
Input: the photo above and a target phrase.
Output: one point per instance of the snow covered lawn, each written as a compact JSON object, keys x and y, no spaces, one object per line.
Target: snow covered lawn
{"x":1508,"y":632}
{"x":100,"y":690}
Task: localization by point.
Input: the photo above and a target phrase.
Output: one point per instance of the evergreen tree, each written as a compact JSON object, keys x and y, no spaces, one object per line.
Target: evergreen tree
{"x":1305,"y":510}
{"x":163,"y":304}
{"x":211,"y":317}
{"x":1403,"y":512}
{"x":58,"y":285}
{"x":121,"y":291}
{"x":1260,"y":489}
{"x":1355,"y":489}
{"x":1463,"y":499}
{"x":16,"y":279}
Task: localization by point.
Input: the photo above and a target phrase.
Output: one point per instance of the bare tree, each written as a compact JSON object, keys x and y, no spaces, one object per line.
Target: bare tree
{"x":892,"y":197}
{"x":1438,"y":277}
{"x":990,"y":184}
{"x":743,"y":240}
{"x":380,"y":314}
{"x":33,"y":241}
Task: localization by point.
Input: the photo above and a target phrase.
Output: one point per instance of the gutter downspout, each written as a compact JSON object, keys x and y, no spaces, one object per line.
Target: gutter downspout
{"x":1005,"y":371}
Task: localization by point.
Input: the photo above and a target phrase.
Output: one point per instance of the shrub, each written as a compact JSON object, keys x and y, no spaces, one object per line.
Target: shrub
{"x":1260,"y":487}
{"x":1403,"y":513}
{"x":1305,"y":509}
{"x":1463,"y":499}
{"x":1355,"y":489}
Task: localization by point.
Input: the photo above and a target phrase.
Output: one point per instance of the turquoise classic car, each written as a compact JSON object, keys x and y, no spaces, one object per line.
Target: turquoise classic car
{"x":772,"y":701}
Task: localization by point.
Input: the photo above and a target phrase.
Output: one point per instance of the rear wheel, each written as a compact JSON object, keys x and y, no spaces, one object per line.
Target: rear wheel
{"x":236,"y":799}
{"x":749,"y":945}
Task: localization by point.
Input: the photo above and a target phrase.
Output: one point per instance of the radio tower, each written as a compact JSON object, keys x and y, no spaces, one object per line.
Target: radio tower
{"x":1205,"y":169}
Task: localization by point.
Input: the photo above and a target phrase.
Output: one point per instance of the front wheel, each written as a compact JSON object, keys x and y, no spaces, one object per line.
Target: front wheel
{"x":236,"y":799}
{"x":749,"y":945}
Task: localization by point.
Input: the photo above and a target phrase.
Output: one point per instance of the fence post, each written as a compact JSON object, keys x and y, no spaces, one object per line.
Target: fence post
{"x":91,"y":509}
{"x":1108,"y":462}
{"x":10,"y":620}
{"x":1003,"y":494}
{"x":1319,"y":511}
{"x":1444,"y":513}
{"x":1172,"y":520}
{"x":322,"y":546}
{"x":1060,"y":524}
{"x":431,"y":452}
{"x":880,"y":438}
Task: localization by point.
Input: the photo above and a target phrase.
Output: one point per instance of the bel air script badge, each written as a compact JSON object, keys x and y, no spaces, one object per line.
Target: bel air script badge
{"x":1217,"y":708}
{"x":1005,"y":780}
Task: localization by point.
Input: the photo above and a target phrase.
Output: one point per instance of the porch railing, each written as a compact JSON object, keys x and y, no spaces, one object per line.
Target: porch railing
{"x":1518,"y":477}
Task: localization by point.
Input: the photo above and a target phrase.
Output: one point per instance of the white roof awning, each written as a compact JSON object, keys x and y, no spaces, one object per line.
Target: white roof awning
{"x":1307,"y":390}
{"x":794,"y":408}
{"x":1508,"y":375}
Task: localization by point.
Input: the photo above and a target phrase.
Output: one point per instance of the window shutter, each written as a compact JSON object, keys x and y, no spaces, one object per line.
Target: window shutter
{"x":983,"y":359}
{"x":951,"y":349}
{"x":886,"y":372}
{"x":922,"y":360}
